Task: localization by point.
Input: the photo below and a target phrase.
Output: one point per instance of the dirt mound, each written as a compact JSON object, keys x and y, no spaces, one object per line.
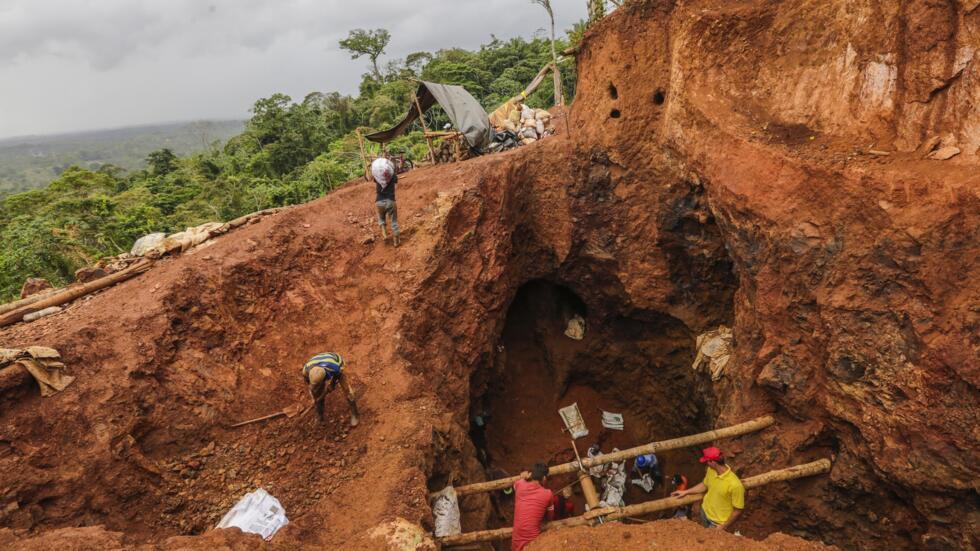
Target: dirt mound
{"x":664,"y":534}
{"x":705,"y":199}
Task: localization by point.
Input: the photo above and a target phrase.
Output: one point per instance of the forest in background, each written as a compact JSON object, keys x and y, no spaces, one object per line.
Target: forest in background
{"x":290,"y":151}
{"x":31,"y":162}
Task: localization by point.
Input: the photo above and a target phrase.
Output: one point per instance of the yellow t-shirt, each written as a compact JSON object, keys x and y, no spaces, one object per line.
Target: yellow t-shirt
{"x":725,"y":494}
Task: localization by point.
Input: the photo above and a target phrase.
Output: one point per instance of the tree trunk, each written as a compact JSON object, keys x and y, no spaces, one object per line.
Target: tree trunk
{"x":559,"y":97}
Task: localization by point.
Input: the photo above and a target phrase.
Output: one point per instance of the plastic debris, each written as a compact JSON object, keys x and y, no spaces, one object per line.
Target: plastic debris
{"x":613,"y":421}
{"x":256,"y":513}
{"x":445,"y":510}
{"x":715,"y":350}
{"x":576,"y":328}
{"x":573,"y":420}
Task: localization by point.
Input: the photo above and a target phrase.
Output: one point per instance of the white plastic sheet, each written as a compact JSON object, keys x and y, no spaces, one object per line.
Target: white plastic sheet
{"x":256,"y":513}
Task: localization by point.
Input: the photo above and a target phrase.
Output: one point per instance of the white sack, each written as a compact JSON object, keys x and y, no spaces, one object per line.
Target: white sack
{"x":256,"y":513}
{"x":445,"y":509}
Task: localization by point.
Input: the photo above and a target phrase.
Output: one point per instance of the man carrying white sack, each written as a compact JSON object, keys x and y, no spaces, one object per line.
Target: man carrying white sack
{"x":384,"y":183}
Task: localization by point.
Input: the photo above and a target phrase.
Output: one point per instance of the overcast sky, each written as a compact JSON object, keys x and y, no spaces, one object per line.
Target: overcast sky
{"x":68,"y":65}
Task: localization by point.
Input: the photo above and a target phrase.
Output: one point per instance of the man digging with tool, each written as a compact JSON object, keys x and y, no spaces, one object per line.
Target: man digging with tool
{"x":317,"y":371}
{"x":725,"y":499}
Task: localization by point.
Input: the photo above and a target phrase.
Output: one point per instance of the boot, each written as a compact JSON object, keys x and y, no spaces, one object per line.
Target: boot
{"x":384,"y":234}
{"x":354,"y":420}
{"x":394,"y":237}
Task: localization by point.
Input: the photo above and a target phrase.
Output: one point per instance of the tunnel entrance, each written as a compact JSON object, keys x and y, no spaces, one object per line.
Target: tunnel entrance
{"x":637,"y":366}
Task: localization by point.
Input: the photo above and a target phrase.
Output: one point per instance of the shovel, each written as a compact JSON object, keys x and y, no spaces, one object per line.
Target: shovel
{"x":290,"y":412}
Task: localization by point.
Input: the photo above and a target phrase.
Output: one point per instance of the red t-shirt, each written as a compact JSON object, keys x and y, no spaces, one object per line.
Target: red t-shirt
{"x":531,"y":502}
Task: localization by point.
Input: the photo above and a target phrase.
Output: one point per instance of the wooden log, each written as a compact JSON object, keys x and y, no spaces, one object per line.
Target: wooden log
{"x":588,"y":489}
{"x":360,"y":143}
{"x":425,"y":129}
{"x":72,"y":293}
{"x":4,"y":308}
{"x":615,"y":457}
{"x":614,"y":513}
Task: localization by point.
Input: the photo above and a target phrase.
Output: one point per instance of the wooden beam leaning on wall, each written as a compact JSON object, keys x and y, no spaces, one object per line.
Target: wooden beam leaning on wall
{"x":754,"y":425}
{"x":820,"y":466}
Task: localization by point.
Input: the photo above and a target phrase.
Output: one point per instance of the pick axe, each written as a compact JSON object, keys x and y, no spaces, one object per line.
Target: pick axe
{"x":289,"y":411}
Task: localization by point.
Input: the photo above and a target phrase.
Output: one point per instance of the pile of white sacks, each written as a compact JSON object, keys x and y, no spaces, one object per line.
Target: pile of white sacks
{"x":529,"y":124}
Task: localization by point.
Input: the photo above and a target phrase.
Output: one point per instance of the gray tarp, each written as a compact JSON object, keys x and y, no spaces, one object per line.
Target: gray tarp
{"x":466,"y":113}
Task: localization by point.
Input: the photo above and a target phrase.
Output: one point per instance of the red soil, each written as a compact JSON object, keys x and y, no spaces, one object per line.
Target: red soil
{"x":847,"y":277}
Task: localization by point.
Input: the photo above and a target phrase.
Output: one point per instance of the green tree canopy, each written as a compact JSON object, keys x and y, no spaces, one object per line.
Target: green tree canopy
{"x":361,"y":42}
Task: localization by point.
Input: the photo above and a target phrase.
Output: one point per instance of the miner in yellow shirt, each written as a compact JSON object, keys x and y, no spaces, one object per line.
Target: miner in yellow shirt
{"x":725,"y":497}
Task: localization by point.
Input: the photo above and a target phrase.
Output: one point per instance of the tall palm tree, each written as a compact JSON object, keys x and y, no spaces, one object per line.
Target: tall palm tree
{"x":559,"y":97}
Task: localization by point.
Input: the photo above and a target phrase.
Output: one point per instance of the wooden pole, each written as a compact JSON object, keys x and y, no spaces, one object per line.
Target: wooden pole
{"x":425,"y":129}
{"x":615,"y":457}
{"x":588,"y":490}
{"x":614,"y":513}
{"x":360,"y":142}
{"x":73,"y":293}
{"x":588,"y":486}
{"x":29,"y":300}
{"x":559,"y":96}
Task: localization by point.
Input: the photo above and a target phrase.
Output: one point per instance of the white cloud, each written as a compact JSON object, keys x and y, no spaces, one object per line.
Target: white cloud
{"x":70,"y":64}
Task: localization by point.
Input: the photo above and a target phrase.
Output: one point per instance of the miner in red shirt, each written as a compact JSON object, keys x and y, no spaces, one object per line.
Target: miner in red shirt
{"x":532,"y":501}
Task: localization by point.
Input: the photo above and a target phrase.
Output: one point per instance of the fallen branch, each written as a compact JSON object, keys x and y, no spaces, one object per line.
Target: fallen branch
{"x":615,"y":513}
{"x":615,"y":457}
{"x":72,"y":293}
{"x":4,"y":308}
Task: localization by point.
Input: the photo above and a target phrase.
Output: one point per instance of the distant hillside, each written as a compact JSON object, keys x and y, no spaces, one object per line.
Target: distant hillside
{"x":31,"y":162}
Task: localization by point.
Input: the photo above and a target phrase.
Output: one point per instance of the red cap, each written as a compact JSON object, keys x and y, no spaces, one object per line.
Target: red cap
{"x":710,"y":454}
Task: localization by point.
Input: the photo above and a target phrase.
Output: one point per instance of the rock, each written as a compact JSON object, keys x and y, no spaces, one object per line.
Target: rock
{"x":944,"y":153}
{"x":929,"y":144}
{"x":33,"y":286}
{"x":89,"y":273}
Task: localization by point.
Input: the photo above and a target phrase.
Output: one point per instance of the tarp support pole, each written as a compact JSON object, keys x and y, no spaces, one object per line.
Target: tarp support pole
{"x":360,"y":142}
{"x":425,"y":130}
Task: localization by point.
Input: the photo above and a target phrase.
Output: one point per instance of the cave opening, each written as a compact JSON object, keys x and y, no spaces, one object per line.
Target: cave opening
{"x":638,"y":366}
{"x":615,"y":113}
{"x":659,"y":97}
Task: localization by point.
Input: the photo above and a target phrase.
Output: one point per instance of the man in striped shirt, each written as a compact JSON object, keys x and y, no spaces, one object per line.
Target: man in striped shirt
{"x":328,"y":366}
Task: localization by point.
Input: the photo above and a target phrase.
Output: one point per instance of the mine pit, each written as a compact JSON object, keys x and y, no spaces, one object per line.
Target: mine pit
{"x":637,"y":368}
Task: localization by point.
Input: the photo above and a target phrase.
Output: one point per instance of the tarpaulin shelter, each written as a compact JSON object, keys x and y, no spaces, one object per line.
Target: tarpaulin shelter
{"x":463,"y":110}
